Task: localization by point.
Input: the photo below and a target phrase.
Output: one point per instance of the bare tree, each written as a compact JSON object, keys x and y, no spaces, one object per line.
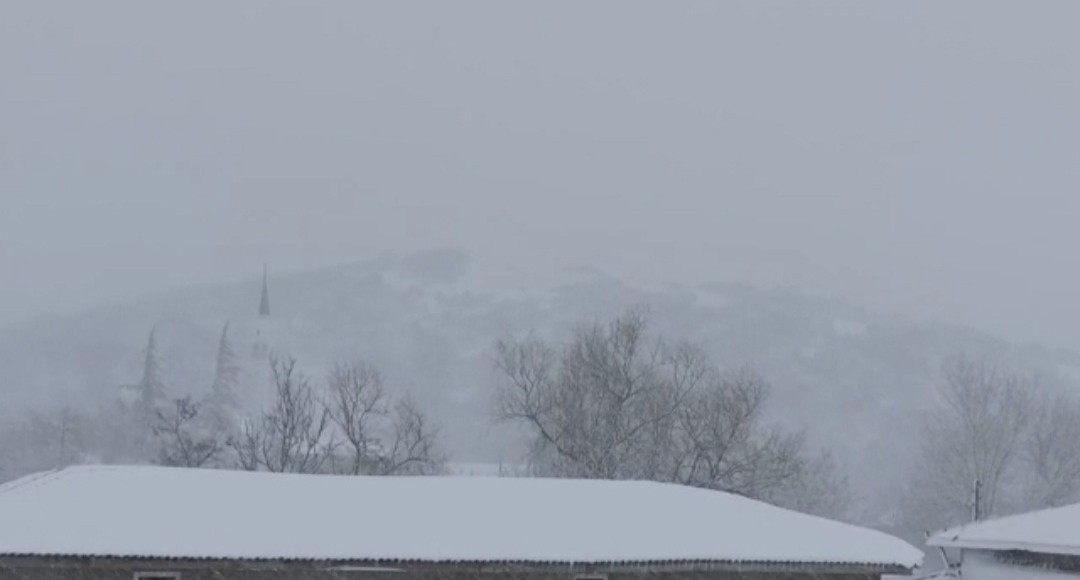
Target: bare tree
{"x":61,"y":436}
{"x":611,"y":403}
{"x":976,"y":434}
{"x":294,"y":435}
{"x":721,"y":444}
{"x":412,"y":449}
{"x":185,"y":439}
{"x":358,"y":408}
{"x":718,"y":441}
{"x":813,"y":483}
{"x":1052,"y":452}
{"x":247,"y":445}
{"x":381,"y":437}
{"x":599,"y":406}
{"x":46,"y":440}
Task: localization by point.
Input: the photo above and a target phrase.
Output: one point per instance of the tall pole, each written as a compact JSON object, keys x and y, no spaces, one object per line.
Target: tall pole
{"x":976,"y":512}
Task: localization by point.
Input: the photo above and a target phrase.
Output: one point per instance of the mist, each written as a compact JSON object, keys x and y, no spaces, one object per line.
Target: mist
{"x":838,"y":214}
{"x":917,"y":157}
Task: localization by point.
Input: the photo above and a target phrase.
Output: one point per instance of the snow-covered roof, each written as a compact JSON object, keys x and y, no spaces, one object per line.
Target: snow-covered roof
{"x":1049,"y":531}
{"x":935,"y":575}
{"x":158,"y":512}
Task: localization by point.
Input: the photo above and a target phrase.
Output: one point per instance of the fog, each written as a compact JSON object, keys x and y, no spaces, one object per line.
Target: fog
{"x":918,"y":157}
{"x":827,"y":245}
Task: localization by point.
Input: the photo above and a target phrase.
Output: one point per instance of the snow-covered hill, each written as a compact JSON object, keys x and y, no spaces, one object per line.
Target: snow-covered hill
{"x":855,"y":381}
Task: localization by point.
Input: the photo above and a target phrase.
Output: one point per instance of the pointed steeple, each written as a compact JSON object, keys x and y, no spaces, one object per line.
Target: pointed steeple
{"x":264,"y":302}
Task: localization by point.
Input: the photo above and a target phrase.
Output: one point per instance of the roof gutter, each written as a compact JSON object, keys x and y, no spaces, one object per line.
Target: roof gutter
{"x":479,"y":567}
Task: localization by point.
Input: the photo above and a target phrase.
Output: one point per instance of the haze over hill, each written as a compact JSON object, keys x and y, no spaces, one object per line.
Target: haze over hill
{"x":855,"y":380}
{"x":916,"y":155}
{"x":872,"y":205}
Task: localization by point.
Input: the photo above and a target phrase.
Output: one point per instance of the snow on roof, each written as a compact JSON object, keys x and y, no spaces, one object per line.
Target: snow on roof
{"x":164,"y":512}
{"x":935,"y":575}
{"x":1050,"y":531}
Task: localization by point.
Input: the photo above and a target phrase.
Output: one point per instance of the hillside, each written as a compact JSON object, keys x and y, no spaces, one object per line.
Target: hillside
{"x":855,"y":381}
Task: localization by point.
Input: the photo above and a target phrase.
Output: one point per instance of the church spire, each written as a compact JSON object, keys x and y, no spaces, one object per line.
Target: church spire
{"x":264,"y":301}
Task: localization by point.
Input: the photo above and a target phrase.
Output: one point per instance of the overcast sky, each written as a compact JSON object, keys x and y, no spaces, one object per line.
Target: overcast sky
{"x":915,"y":156}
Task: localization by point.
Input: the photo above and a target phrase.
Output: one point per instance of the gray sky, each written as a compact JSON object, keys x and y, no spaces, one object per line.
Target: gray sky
{"x":916,"y":156}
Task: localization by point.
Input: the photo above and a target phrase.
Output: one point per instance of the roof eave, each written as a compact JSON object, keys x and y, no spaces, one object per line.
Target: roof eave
{"x":483,"y":566}
{"x":941,"y":541}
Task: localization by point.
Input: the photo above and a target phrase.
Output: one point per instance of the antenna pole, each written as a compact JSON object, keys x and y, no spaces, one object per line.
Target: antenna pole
{"x":976,"y":511}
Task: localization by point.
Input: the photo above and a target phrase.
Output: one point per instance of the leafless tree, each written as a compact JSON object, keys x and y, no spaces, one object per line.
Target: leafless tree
{"x":380,"y":437}
{"x":47,"y":440}
{"x":62,"y":435}
{"x":294,"y":435}
{"x":718,"y":442}
{"x":412,"y":447}
{"x":185,"y":438}
{"x":1051,"y":456}
{"x":247,"y":445}
{"x":813,"y":483}
{"x":358,"y":408}
{"x":612,"y":403}
{"x":976,"y":433}
{"x":603,"y":404}
{"x":721,"y":444}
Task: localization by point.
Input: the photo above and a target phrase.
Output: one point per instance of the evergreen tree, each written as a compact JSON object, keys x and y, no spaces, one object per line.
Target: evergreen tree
{"x":151,"y":388}
{"x":264,"y":299}
{"x":224,"y":400}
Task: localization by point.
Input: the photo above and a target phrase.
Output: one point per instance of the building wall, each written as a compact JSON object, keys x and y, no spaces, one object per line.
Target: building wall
{"x":984,"y":566}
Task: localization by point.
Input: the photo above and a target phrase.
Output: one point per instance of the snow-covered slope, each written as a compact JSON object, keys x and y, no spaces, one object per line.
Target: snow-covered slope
{"x":171,"y":512}
{"x":854,"y":380}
